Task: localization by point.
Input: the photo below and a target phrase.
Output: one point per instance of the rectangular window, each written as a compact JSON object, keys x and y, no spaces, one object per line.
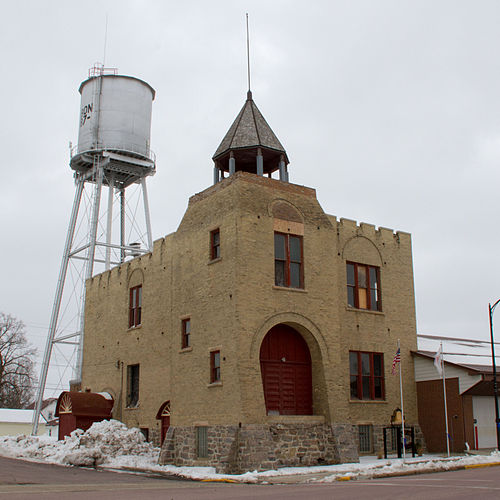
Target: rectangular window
{"x":145,"y":433}
{"x":135,"y":306}
{"x":132,"y":385}
{"x":214,"y":366}
{"x":367,"y":375}
{"x":363,"y":287}
{"x":288,"y":268}
{"x":392,"y":439}
{"x":186,"y":333}
{"x":365,"y":438}
{"x":215,"y":244}
{"x":201,"y":442}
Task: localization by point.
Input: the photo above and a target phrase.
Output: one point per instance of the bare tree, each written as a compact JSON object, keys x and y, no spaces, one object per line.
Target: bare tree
{"x":17,"y":376}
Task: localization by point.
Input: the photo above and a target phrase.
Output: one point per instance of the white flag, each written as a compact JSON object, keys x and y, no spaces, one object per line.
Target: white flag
{"x":438,"y":360}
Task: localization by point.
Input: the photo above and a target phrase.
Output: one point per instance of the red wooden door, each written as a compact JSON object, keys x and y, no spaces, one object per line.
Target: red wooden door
{"x":165,"y":424}
{"x":285,"y":364}
{"x":164,"y":414}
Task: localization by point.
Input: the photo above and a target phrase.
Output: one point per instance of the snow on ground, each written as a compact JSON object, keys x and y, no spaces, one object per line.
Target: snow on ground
{"x":112,"y":445}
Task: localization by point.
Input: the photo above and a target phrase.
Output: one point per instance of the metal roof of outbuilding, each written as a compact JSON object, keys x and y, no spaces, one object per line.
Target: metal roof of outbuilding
{"x":480,"y":369}
{"x":84,"y":404}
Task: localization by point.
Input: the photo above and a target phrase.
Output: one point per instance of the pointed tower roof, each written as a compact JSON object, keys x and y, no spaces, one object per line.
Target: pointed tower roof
{"x":248,"y":133}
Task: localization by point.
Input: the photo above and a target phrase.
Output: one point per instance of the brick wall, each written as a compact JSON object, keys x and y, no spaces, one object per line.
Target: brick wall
{"x":232,"y":304}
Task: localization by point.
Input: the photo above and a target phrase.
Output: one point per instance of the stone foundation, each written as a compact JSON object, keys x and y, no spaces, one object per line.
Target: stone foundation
{"x":236,"y":449}
{"x":154,"y":437}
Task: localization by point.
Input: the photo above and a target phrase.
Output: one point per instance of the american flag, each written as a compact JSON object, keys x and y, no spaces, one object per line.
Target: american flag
{"x":396,"y":360}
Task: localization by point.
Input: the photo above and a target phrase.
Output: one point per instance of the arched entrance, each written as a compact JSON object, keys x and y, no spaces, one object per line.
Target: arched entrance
{"x":164,"y":415}
{"x":285,"y":364}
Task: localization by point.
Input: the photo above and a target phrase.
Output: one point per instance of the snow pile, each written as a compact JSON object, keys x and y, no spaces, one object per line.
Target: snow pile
{"x":397,"y":466}
{"x":99,"y":445}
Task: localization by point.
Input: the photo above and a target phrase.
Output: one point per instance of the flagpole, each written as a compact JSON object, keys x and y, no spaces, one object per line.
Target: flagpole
{"x":445,"y":404}
{"x":402,"y":404}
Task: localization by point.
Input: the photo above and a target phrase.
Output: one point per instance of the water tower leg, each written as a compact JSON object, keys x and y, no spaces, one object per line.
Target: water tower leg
{"x":109,"y":225}
{"x":90,"y":265}
{"x":94,"y":222}
{"x":57,"y":303}
{"x":122,"y":224}
{"x":146,"y":214}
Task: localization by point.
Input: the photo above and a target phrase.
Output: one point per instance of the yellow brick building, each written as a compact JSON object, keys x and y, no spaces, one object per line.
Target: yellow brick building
{"x":262,"y":332}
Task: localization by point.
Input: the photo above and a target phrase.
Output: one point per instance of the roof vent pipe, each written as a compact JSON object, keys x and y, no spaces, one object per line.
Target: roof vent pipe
{"x":136,"y":246}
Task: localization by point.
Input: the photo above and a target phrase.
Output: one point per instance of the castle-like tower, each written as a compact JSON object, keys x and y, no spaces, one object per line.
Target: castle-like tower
{"x":267,"y":328}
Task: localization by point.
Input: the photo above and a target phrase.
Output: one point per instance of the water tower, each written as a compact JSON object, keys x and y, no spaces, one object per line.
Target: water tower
{"x":112,"y":152}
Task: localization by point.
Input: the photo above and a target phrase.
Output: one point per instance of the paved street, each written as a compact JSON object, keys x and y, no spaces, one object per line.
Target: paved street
{"x":25,"y":480}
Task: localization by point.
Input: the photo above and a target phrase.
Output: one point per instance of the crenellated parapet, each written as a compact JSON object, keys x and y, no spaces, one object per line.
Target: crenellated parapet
{"x":355,"y":228}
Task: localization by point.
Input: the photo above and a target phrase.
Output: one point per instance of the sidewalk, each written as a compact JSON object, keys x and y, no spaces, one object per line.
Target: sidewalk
{"x":391,"y":467}
{"x":367,"y":468}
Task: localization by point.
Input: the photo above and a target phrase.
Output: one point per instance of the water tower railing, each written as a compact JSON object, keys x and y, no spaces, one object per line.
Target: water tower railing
{"x":150,"y":155}
{"x":98,"y":70}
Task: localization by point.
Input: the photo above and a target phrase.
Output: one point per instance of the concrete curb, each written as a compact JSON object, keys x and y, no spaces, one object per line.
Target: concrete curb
{"x":374,"y":475}
{"x":475,"y":466}
{"x":302,"y":478}
{"x":418,"y":471}
{"x":148,"y":472}
{"x":158,"y":474}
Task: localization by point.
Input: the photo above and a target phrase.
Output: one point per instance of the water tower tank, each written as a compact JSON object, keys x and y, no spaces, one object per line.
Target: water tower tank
{"x":115,"y":116}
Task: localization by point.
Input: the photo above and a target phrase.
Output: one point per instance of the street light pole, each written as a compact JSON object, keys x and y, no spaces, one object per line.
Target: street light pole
{"x":491,"y":308}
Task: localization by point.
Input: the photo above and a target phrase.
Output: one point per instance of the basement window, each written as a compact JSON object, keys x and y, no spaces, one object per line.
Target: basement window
{"x":145,"y":433}
{"x":365,"y":438}
{"x":202,"y":442}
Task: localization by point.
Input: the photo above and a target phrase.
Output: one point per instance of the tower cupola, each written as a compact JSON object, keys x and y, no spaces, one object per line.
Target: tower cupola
{"x":250,"y":145}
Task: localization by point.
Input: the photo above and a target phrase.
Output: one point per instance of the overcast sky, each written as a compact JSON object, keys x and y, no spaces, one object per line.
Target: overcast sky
{"x":389,"y":108}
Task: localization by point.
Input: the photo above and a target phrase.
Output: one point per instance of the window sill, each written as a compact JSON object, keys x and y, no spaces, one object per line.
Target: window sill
{"x":132,"y":407}
{"x":295,"y":419}
{"x":289,"y":289}
{"x":354,"y":309}
{"x":131,"y":328}
{"x":186,"y":349}
{"x":202,"y":462}
{"x":215,"y":384}
{"x":369,"y":401}
{"x":213,"y":261}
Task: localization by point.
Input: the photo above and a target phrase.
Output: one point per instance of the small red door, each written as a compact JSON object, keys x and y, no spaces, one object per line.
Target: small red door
{"x":164,"y":416}
{"x":285,"y":364}
{"x":67,"y":424}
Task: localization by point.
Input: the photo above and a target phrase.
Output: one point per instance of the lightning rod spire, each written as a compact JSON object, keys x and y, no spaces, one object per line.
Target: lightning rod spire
{"x":248,"y":59}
